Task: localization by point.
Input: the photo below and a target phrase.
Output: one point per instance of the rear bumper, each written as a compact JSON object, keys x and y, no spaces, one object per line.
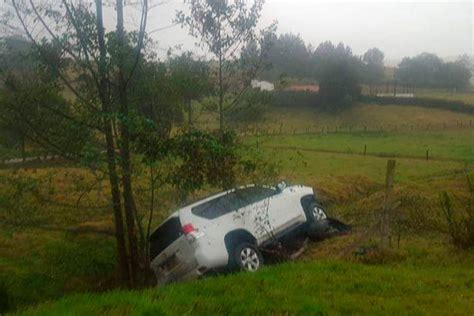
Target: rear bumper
{"x":184,"y":271}
{"x":191,"y":264}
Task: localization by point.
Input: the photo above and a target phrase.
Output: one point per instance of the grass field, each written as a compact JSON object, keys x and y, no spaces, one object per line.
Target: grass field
{"x":44,"y":257}
{"x":466,"y":97}
{"x":322,"y":287}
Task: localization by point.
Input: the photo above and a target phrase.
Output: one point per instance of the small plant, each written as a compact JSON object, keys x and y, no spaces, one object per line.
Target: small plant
{"x":460,"y":218}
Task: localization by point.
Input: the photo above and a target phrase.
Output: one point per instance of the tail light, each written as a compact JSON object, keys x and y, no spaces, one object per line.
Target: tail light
{"x":187,"y":229}
{"x":190,"y":232}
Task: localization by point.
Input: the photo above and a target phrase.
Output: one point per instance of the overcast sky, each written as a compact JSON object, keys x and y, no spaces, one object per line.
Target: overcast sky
{"x":398,"y":28}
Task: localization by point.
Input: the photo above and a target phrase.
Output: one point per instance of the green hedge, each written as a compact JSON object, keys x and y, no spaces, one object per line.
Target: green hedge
{"x":295,"y":99}
{"x":451,"y":105}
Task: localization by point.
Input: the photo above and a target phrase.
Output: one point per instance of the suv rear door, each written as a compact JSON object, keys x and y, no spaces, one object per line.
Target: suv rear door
{"x":172,"y":255}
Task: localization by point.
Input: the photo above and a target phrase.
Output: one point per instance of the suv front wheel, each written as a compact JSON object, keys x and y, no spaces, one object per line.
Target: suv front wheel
{"x":248,"y":257}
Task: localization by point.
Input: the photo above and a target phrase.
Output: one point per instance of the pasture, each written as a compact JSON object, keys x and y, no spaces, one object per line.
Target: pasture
{"x":56,"y":241}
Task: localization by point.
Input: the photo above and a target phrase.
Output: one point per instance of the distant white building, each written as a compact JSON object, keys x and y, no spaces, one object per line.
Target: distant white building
{"x":262,"y":85}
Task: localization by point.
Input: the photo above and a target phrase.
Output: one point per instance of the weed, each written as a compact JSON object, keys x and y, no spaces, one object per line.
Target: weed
{"x":460,"y":217}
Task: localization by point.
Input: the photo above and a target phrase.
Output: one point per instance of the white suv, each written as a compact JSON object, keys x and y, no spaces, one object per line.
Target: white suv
{"x":227,"y":230}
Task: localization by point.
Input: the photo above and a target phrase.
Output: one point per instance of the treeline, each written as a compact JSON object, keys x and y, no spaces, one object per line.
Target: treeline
{"x":290,"y":57}
{"x":428,"y":70}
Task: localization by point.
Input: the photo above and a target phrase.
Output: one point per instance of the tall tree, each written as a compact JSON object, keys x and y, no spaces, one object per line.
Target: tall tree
{"x":422,"y":70}
{"x":93,"y":67}
{"x":338,"y":72}
{"x":223,"y":27}
{"x":374,"y":66}
{"x":191,"y":78}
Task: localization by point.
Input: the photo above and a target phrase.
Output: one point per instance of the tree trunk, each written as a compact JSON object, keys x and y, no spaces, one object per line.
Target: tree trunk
{"x":129,"y":203}
{"x":111,"y":159}
{"x":190,"y":113}
{"x":23,"y":148}
{"x":221,"y":85}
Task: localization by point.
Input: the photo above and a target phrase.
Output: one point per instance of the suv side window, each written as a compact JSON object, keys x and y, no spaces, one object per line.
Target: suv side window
{"x":255,"y":194}
{"x":231,"y":202}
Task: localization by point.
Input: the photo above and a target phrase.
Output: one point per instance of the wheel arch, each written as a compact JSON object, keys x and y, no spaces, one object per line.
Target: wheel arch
{"x":306,"y":201}
{"x":233,"y":238}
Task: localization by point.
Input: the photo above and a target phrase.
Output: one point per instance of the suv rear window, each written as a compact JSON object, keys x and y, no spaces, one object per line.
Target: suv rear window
{"x":164,"y":236}
{"x":232,"y":201}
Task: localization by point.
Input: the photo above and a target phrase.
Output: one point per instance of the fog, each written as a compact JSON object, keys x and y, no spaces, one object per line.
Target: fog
{"x":399,"y":28}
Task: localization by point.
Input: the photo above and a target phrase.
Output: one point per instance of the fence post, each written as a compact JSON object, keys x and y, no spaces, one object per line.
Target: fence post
{"x":427,"y":154}
{"x":387,"y":208}
{"x":365,"y":149}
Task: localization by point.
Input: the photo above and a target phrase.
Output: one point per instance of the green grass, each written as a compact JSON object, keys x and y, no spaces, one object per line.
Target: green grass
{"x":370,"y":116}
{"x":38,"y":264}
{"x":451,"y":144}
{"x":325,"y":287}
{"x":466,"y":97}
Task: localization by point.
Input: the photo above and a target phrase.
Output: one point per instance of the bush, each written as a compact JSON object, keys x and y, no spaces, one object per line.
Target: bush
{"x":250,"y":107}
{"x":459,"y":218}
{"x":294,"y":99}
{"x":19,"y":200}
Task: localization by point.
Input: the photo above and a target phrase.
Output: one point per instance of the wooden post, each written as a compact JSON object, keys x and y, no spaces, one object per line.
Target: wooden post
{"x":387,"y":208}
{"x":427,"y":154}
{"x":365,"y":150}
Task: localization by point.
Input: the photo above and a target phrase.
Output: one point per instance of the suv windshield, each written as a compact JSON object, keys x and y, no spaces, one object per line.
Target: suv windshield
{"x":232,"y":201}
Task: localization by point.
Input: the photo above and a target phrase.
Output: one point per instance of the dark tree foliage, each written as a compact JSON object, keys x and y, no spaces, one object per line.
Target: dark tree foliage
{"x":373,"y":66}
{"x":195,"y":158}
{"x":428,"y":70}
{"x":191,"y":80}
{"x":250,"y":107}
{"x":338,"y":72}
{"x":156,"y":97}
{"x":288,"y":56}
{"x":33,"y":107}
{"x":455,"y":75}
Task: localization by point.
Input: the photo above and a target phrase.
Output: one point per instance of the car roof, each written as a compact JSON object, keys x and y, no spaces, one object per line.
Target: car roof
{"x":214,"y":196}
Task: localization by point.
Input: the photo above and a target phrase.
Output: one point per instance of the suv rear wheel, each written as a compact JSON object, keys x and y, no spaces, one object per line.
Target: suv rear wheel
{"x":248,"y":257}
{"x":318,"y":212}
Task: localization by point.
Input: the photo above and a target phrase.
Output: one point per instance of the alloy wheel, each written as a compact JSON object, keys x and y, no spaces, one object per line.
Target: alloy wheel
{"x":249,"y":259}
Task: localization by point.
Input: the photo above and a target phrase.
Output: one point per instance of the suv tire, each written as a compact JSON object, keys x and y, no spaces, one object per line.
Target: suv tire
{"x":248,"y":257}
{"x":318,"y":221}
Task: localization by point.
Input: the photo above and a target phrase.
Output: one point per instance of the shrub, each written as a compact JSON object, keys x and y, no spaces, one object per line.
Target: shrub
{"x":19,"y":202}
{"x":459,"y":218}
{"x":250,"y":107}
{"x":293,"y":99}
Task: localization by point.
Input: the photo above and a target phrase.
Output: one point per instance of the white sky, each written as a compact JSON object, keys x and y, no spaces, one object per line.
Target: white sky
{"x":398,"y":28}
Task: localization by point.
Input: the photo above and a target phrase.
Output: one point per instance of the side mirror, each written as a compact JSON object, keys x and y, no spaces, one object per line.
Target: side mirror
{"x":281,"y":185}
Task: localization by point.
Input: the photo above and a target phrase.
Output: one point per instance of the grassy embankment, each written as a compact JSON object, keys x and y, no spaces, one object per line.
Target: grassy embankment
{"x":45,"y":257}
